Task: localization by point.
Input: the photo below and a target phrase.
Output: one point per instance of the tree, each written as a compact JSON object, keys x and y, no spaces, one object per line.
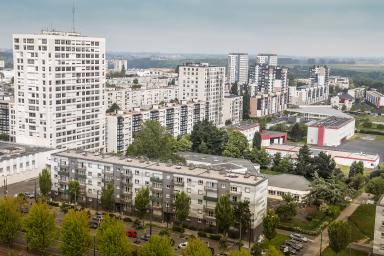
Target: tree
{"x":75,"y":233}
{"x":40,"y":228}
{"x":324,"y":165}
{"x":196,"y":247}
{"x":107,"y":197}
{"x":270,"y":222}
{"x":135,"y":81}
{"x":304,"y":162}
{"x":45,"y":182}
{"x":224,"y":213}
{"x":242,"y":252}
{"x":10,"y":220}
{"x":236,"y":145}
{"x":288,"y":209}
{"x":74,"y":190}
{"x":272,"y":251}
{"x":330,"y":191}
{"x":246,"y":100}
{"x":257,"y":249}
{"x":339,"y":233}
{"x":297,"y":132}
{"x":357,"y":181}
{"x":234,"y":89}
{"x":142,"y":201}
{"x":376,"y":187}
{"x":356,"y":168}
{"x":261,"y":157}
{"x":183,"y":143}
{"x":113,"y":108}
{"x":182,"y":206}
{"x":243,"y":215}
{"x":284,"y":165}
{"x":207,"y":138}
{"x":111,"y":238}
{"x":157,"y":246}
{"x":256,"y":142}
{"x":154,"y":142}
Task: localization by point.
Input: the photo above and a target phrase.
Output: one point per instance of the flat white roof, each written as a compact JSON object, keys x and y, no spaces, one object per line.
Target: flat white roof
{"x":324,"y":110}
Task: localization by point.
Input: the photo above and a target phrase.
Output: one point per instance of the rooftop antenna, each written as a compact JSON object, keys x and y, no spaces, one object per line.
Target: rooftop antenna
{"x":73,"y":16}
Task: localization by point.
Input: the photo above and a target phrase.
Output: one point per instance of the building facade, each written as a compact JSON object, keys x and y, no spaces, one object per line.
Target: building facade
{"x":59,"y":90}
{"x":374,"y":98}
{"x":233,"y":109}
{"x":203,"y":185}
{"x":339,"y":81}
{"x":116,"y":65}
{"x":238,"y":68}
{"x":178,"y":119}
{"x":202,"y":82}
{"x":266,"y":59}
{"x":308,"y":94}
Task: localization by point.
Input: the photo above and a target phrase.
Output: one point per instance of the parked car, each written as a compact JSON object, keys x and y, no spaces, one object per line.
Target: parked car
{"x":298,"y":237}
{"x":295,"y":246}
{"x":286,"y":249}
{"x":145,"y":237}
{"x":182,"y":245}
{"x":132,"y":233}
{"x":93,"y":224}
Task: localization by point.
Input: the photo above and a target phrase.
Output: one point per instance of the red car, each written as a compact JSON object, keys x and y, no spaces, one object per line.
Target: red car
{"x":132,"y":233}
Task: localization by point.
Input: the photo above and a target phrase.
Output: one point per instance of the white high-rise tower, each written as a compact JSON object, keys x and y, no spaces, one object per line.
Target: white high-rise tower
{"x":59,"y":90}
{"x":238,"y":68}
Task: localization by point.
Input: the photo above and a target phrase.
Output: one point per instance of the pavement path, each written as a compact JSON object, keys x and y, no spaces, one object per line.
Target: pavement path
{"x":314,"y":247}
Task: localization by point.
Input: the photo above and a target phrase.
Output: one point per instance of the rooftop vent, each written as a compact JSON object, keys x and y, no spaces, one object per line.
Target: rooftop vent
{"x":178,"y":167}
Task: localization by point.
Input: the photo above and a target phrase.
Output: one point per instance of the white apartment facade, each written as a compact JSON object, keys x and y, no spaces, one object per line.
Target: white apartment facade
{"x":203,"y":185}
{"x":238,"y":68}
{"x":375,"y":98}
{"x":178,"y":119}
{"x":339,"y":81}
{"x":308,"y":94}
{"x":206,"y":83}
{"x":266,"y":59}
{"x":59,"y":90}
{"x":233,"y":109}
{"x":378,"y":241}
{"x":117,"y":65}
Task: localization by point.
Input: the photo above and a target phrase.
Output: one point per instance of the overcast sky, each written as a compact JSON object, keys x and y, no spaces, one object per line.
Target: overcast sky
{"x":289,"y":27}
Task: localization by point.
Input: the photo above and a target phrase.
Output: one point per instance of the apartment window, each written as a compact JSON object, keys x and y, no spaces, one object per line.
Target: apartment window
{"x":200,"y":192}
{"x":167,"y":196}
{"x":136,"y":181}
{"x":234,"y":189}
{"x":247,"y":190}
{"x":199,"y":201}
{"x":168,"y":186}
{"x":137,"y":172}
{"x":200,"y":182}
{"x":189,"y":190}
{"x":200,"y":212}
{"x":222,"y":185}
{"x":147,"y":183}
{"x":189,"y":180}
{"x":199,"y":220}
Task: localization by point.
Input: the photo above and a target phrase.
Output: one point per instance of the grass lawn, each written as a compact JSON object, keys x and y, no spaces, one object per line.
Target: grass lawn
{"x":345,"y":170}
{"x":317,"y":218}
{"x":364,"y":219}
{"x":278,"y":240}
{"x":329,"y":252}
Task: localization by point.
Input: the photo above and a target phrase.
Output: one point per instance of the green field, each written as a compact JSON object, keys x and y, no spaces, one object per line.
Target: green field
{"x":364,"y":219}
{"x":329,"y":252}
{"x":358,"y":67}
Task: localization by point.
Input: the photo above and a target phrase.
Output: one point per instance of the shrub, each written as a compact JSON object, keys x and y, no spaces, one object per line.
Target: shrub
{"x":54,"y":204}
{"x":127,"y":219}
{"x":178,"y":229}
{"x":164,"y":232}
{"x":215,"y":237}
{"x":202,"y":234}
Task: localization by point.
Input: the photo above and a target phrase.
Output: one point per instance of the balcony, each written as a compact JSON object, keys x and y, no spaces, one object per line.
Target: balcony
{"x":210,"y":188}
{"x":207,"y":217}
{"x":157,"y":199}
{"x":211,"y":199}
{"x":156,"y":188}
{"x":81,"y":176}
{"x":235,"y":193}
{"x":178,"y":183}
{"x":63,"y":173}
{"x":156,"y":179}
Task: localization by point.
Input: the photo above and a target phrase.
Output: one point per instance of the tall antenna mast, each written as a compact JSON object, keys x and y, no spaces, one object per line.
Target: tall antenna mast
{"x":73,"y":16}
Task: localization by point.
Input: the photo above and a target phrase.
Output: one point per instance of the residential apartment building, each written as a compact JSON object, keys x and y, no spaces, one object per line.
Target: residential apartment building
{"x":266,"y":59}
{"x":5,"y":115}
{"x":205,"y":83}
{"x":59,"y":90}
{"x":238,"y":68}
{"x":308,"y":94}
{"x":319,"y":74}
{"x":178,"y":119}
{"x":374,"y":98}
{"x":116,"y":65}
{"x":233,"y":109}
{"x":357,"y":93}
{"x":128,"y":98}
{"x":203,"y":185}
{"x":339,"y":81}
{"x":378,"y":241}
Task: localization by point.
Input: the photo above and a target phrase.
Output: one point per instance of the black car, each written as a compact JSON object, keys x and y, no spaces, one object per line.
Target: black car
{"x":145,"y":237}
{"x":93,"y":224}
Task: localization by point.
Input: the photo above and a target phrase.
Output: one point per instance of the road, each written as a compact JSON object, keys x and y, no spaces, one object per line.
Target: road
{"x":314,"y":248}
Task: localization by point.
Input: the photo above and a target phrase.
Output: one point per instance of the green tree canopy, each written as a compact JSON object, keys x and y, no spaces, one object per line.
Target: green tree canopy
{"x":157,"y":246}
{"x":304,"y":162}
{"x":107,"y":197}
{"x":142,"y":201}
{"x":224,"y":213}
{"x":196,"y":247}
{"x":237,"y":141}
{"x":285,"y":165}
{"x":339,"y":233}
{"x":45,"y":182}
{"x":154,"y":142}
{"x":243,"y":214}
{"x":207,"y":138}
{"x":324,"y":165}
{"x":356,"y":168}
{"x":288,"y":209}
{"x":113,"y":108}
{"x":242,"y":252}
{"x":256,"y":142}
{"x":111,"y":238}
{"x":376,"y":186}
{"x":74,"y":190}
{"x":182,"y":206}
{"x":75,"y":233}
{"x":10,"y":220}
{"x":297,"y":132}
{"x":183,"y":143}
{"x":270,"y":222}
{"x":259,"y":156}
{"x":40,"y":228}
{"x":234,"y":89}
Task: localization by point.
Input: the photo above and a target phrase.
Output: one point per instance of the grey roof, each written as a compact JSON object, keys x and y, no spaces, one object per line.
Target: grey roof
{"x":332,"y":122}
{"x":325,"y":110}
{"x":216,"y":160}
{"x":346,"y":96}
{"x":9,"y":150}
{"x":289,"y":181}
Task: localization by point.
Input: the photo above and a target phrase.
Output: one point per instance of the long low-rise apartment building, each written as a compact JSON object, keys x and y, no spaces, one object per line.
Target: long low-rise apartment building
{"x":204,"y":185}
{"x":178,"y":119}
{"x":375,"y":98}
{"x":341,"y":157}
